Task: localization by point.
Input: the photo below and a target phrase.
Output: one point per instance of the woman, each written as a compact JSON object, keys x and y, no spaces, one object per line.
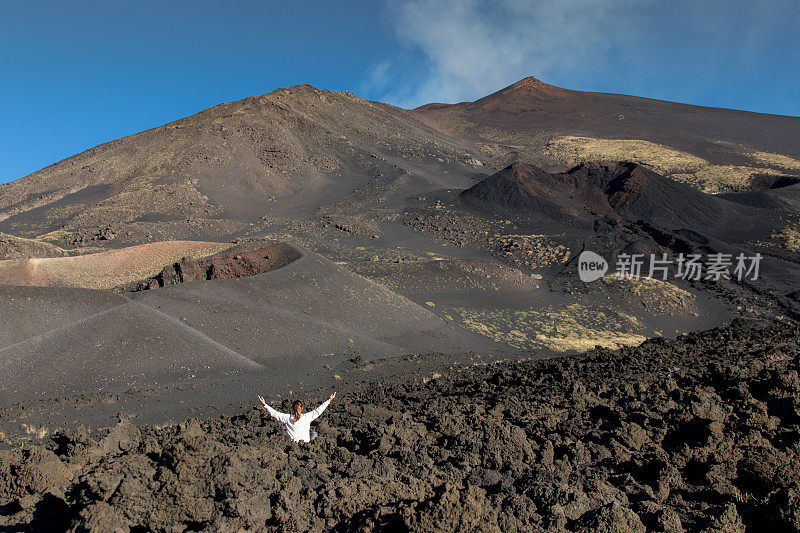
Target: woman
{"x":298,"y":425}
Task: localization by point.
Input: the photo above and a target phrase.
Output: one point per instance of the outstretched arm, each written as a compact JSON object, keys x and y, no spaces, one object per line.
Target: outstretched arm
{"x":318,"y":411}
{"x":280,"y":417}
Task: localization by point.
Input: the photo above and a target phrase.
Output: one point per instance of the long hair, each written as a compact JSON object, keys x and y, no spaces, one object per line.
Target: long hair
{"x":296,"y":409}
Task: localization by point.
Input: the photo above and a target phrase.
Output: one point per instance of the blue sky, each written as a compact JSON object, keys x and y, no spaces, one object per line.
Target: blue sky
{"x":75,"y":74}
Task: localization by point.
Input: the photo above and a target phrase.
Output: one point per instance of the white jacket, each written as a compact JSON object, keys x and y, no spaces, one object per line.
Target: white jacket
{"x":298,"y":430}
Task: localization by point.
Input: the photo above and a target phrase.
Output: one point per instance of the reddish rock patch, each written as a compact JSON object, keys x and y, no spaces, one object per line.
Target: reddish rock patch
{"x":237,"y":262}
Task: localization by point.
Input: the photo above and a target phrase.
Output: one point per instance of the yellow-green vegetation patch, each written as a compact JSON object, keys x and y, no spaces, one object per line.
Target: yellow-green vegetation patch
{"x":717,"y":178}
{"x":58,"y":235}
{"x":777,"y":160}
{"x":572,"y":150}
{"x":790,"y":235}
{"x":12,"y":247}
{"x":678,"y":165}
{"x":575,"y":327}
{"x":531,"y":251}
{"x":659,"y":297}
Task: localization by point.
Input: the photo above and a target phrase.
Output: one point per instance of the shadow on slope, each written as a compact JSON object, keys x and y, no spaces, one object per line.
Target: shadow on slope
{"x":274,"y":327}
{"x":611,"y":189}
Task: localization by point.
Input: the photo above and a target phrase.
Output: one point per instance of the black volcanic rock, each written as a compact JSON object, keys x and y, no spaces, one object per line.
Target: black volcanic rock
{"x":520,"y":186}
{"x":693,"y":434}
{"x":617,"y":189}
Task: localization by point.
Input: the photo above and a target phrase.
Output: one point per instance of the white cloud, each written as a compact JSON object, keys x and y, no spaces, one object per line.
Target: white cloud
{"x":474,"y":47}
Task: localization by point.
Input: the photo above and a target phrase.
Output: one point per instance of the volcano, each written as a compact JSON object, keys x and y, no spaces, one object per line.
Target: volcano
{"x":595,"y":188}
{"x":530,"y":111}
{"x":306,"y":240}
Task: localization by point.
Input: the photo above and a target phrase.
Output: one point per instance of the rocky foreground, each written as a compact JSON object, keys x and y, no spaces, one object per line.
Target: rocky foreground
{"x":700,"y":433}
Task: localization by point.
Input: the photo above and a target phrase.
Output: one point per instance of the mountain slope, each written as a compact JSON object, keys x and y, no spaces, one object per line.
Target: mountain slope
{"x":267,"y":328}
{"x":286,"y":154}
{"x":615,"y":189}
{"x":365,"y":187}
{"x":286,"y":151}
{"x":552,"y":126}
